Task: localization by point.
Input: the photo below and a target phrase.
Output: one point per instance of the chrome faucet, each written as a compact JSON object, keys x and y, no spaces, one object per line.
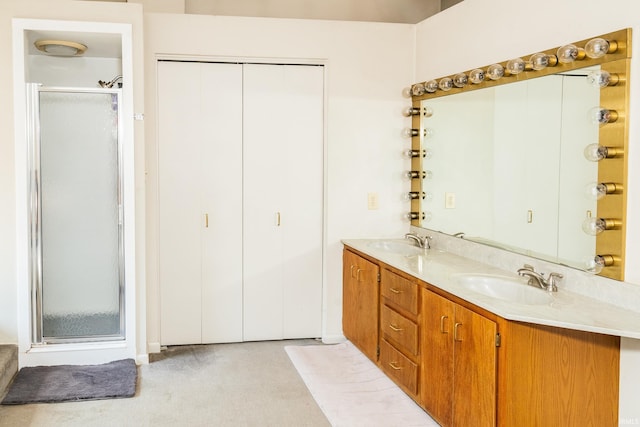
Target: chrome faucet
{"x":422,"y":242}
{"x":548,"y":284}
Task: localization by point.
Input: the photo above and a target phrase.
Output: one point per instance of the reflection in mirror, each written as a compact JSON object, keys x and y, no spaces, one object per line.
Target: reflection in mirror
{"x":508,"y":165}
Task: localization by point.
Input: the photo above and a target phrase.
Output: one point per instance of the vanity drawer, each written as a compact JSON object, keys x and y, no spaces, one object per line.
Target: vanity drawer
{"x":399,"y":367}
{"x":399,"y":290}
{"x":399,"y":330}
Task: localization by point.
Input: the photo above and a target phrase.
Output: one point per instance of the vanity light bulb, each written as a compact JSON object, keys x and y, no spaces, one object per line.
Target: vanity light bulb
{"x":602,"y":78}
{"x":418,"y":89}
{"x":460,"y":80}
{"x":569,"y":53}
{"x":431,"y":86}
{"x":417,"y":153}
{"x":406,"y":92}
{"x":476,"y":76}
{"x":410,"y":111}
{"x":540,"y":61}
{"x":410,"y":216}
{"x":596,"y":48}
{"x":595,"y":152}
{"x":428,"y":133}
{"x":427,"y":111}
{"x":495,"y":71}
{"x":413,"y":195}
{"x":594,"y":264}
{"x":596,"y":190}
{"x":515,"y":66}
{"x":446,"y":84}
{"x":427,"y":216}
{"x":408,"y":132}
{"x":601,"y":116}
{"x":593,"y":226}
{"x":427,"y":175}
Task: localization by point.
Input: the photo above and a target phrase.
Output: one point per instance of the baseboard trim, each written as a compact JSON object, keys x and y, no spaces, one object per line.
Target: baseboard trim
{"x":153,"y":347}
{"x":333,"y":339}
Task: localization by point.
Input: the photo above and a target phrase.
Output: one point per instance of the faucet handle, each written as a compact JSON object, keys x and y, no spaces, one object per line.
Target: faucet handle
{"x":554,"y":279}
{"x":528,"y":267}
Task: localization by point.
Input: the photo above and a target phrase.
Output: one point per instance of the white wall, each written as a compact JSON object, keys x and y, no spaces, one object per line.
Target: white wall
{"x":476,"y":33}
{"x":367,"y":65}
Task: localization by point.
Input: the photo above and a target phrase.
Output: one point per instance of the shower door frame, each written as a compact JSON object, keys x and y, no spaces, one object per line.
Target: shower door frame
{"x":35,"y":215}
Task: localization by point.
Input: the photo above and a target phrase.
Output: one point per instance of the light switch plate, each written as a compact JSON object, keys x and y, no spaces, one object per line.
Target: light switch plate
{"x":449,"y":200}
{"x":372,"y":201}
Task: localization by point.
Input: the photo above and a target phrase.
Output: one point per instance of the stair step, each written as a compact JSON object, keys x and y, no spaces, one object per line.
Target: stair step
{"x":8,"y":366}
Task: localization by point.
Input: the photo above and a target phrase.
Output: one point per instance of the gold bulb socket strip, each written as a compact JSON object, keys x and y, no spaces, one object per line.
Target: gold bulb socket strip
{"x":608,"y":260}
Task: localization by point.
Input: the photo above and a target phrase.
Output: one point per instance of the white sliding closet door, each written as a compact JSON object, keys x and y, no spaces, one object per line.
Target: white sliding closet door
{"x":200,"y":201}
{"x":282,"y":209}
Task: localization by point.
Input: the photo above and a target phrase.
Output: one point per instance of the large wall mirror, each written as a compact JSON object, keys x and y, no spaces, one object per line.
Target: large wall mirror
{"x":529,"y":154}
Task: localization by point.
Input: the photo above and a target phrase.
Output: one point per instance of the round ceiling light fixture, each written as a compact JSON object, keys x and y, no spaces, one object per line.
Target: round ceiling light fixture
{"x":60,"y":47}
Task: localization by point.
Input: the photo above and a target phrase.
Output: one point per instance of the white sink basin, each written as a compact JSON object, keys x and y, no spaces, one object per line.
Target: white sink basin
{"x":512,"y":289}
{"x":397,"y":246}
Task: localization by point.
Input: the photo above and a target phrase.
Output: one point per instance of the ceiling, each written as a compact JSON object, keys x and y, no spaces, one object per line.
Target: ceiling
{"x":397,"y":11}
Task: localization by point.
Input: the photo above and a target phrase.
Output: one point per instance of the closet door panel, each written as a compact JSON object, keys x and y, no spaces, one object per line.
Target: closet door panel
{"x":221,"y":195}
{"x":263,"y":217}
{"x":179,"y":205}
{"x":303,"y":169}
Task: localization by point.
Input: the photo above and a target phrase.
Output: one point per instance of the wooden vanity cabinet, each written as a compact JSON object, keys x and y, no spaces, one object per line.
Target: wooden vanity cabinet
{"x":399,"y":330}
{"x":459,"y":359}
{"x":360,"y":303}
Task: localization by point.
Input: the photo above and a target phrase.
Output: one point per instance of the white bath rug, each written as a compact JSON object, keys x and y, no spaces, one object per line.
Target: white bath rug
{"x":352,"y":391}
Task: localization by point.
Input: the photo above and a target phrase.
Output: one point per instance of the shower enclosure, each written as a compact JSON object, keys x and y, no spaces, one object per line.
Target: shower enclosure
{"x":76,"y":218}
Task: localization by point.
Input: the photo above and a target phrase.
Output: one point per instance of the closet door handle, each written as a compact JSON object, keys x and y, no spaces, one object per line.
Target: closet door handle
{"x":277,"y":219}
{"x":206,"y":220}
{"x":352,"y":267}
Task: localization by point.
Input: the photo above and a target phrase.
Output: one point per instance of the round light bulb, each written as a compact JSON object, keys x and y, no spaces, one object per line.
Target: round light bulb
{"x":594,"y":264}
{"x":427,"y":111}
{"x":431,"y":86}
{"x":495,"y":71}
{"x":539,"y":61}
{"x":409,"y":132}
{"x":595,"y":152}
{"x":427,"y":174}
{"x":418,"y":89}
{"x":460,"y":80}
{"x":601,"y":78}
{"x":476,"y":76}
{"x":593,"y":226}
{"x":599,"y":115}
{"x":428,"y":133}
{"x":596,"y":48}
{"x":595,"y":190}
{"x":406,"y":92}
{"x":427,"y":216}
{"x":515,"y":66}
{"x":569,"y":53}
{"x":445,"y":84}
{"x":410,"y":111}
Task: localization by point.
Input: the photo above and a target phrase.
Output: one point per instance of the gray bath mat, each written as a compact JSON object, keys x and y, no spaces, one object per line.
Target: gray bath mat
{"x":49,"y":384}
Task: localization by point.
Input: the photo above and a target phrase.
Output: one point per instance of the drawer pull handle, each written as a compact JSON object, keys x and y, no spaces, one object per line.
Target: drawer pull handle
{"x":394,"y":328}
{"x":394,"y":366}
{"x":395,"y":291}
{"x":455,"y":332}
{"x":442,"y":319}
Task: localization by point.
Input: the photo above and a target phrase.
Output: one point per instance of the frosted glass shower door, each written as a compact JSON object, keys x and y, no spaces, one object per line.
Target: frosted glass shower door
{"x":79,"y":231}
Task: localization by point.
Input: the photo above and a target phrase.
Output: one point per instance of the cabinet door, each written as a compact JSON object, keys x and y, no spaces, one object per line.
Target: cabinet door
{"x":474,"y":388}
{"x":360,"y":302}
{"x":282,"y":212}
{"x":437,"y":357}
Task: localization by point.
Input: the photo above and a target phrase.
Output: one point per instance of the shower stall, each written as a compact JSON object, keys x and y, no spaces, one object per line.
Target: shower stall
{"x":75,"y":193}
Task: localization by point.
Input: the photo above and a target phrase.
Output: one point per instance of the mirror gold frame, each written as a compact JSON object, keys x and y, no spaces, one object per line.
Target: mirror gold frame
{"x":610,"y":244}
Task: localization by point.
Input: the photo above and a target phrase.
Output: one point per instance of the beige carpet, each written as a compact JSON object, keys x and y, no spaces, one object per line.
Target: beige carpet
{"x":351,"y":390}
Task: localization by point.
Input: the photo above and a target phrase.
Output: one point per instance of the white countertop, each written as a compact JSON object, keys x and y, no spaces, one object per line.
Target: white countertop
{"x":566,"y":310}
